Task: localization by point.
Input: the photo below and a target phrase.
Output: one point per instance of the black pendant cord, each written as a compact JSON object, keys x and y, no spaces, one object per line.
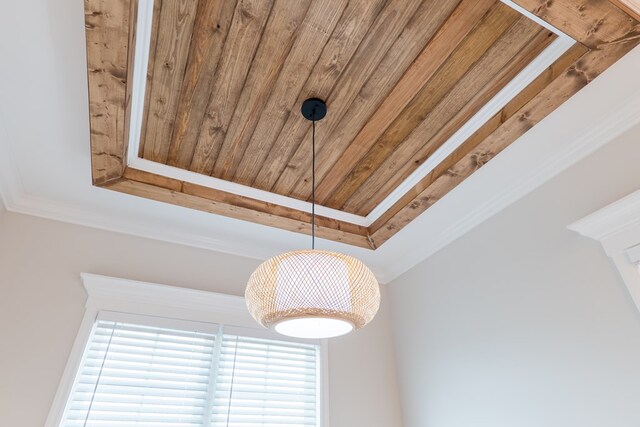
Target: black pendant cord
{"x":313,"y":109}
{"x":313,"y":183}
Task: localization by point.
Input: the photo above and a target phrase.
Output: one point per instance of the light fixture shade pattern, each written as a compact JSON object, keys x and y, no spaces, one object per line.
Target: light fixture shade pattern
{"x":313,"y":283}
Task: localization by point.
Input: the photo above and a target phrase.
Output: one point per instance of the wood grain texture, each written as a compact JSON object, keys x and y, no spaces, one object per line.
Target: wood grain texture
{"x":533,"y":104}
{"x":628,"y":7}
{"x":107,"y":33}
{"x":225,"y":80}
{"x":277,"y":40}
{"x":378,"y":41}
{"x":345,"y":39}
{"x":210,"y":31}
{"x":151,"y":186}
{"x":239,"y":49}
{"x":356,"y":169}
{"x":153,"y":43}
{"x":418,"y":32}
{"x":171,"y":53}
{"x":450,"y":34}
{"x":322,"y":18}
{"x":594,"y":23}
{"x":462,"y":103}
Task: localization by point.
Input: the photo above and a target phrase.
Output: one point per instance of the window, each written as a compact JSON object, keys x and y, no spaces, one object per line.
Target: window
{"x":152,"y":355}
{"x":134,"y":374}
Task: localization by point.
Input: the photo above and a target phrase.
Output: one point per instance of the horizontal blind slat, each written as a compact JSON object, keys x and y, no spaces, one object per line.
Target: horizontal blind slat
{"x":266,"y":383}
{"x":151,"y":376}
{"x":141,"y":375}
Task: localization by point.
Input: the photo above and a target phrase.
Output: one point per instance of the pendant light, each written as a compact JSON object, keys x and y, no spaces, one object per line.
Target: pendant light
{"x":313,"y":293}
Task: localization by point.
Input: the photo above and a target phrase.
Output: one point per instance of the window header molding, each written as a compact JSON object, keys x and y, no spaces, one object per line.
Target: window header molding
{"x":104,"y":290}
{"x":174,"y":303}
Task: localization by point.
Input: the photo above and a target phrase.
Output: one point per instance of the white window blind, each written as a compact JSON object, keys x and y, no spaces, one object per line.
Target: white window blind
{"x":137,"y":375}
{"x":265,"y":383}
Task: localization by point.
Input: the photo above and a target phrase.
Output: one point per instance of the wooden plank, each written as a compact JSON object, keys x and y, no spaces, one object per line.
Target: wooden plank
{"x":533,"y":104}
{"x":631,"y":8}
{"x":273,"y":97}
{"x":210,"y":30}
{"x":499,"y":23}
{"x":239,"y":49}
{"x":151,"y":186}
{"x":107,"y":35}
{"x":110,"y":26}
{"x":153,"y":43}
{"x":378,"y":86}
{"x":417,"y":33}
{"x":336,"y":54}
{"x":174,"y":35}
{"x":594,"y":23}
{"x":379,"y":39}
{"x":560,"y":67}
{"x":435,"y":53}
{"x":505,"y":60}
{"x":240,"y":201}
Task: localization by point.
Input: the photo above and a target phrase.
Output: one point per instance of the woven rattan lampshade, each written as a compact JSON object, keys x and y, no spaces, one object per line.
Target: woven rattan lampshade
{"x":313,"y":294}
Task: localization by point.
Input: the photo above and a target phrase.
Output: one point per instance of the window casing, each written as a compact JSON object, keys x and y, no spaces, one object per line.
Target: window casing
{"x":159,"y":355}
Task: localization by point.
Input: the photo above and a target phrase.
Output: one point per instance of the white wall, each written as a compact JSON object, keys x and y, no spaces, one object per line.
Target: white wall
{"x":522,"y":322}
{"x":42,"y":304}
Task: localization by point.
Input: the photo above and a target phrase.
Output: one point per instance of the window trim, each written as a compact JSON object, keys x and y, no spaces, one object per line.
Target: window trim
{"x":130,"y":297}
{"x":617,"y":228}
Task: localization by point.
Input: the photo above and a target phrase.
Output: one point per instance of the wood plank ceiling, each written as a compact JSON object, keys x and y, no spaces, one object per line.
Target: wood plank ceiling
{"x":226,"y":80}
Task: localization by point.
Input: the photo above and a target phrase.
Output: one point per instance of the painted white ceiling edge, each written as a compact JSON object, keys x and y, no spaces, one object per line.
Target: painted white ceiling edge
{"x":45,"y":162}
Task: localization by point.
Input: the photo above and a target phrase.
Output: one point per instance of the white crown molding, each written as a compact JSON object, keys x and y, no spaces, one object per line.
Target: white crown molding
{"x":617,"y":228}
{"x":612,"y":219}
{"x":44,"y":167}
{"x":50,"y":209}
{"x":593,"y":136}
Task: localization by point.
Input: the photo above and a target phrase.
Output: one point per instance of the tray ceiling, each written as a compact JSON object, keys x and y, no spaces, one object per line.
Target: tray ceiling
{"x":197,"y":103}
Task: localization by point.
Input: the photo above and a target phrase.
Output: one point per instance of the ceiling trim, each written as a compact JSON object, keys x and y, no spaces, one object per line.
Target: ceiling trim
{"x":548,"y":56}
{"x":18,"y":201}
{"x":594,"y":135}
{"x":535,"y":18}
{"x":239,"y":189}
{"x":606,"y":123}
{"x":143,"y":37}
{"x":109,"y":96}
